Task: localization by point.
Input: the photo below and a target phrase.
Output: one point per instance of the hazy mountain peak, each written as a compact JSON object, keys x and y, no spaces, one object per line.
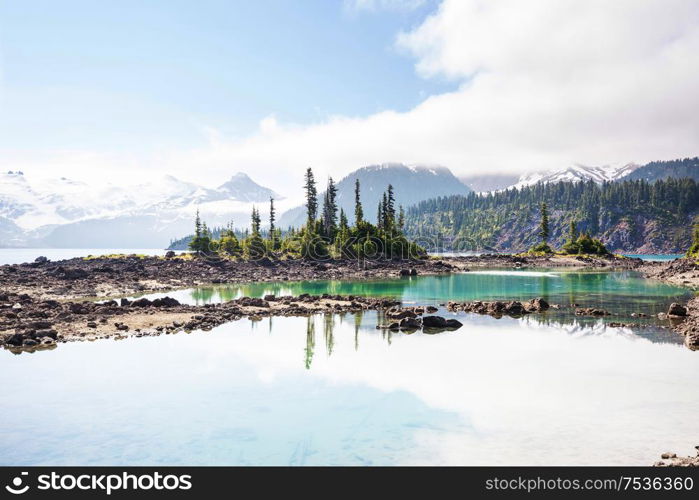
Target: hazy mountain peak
{"x":241,"y":187}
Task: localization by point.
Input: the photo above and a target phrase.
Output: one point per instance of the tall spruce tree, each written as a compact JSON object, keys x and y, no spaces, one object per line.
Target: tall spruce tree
{"x":255,"y":222}
{"x":358,"y":211}
{"x":544,"y":225}
{"x":196,"y":243}
{"x":272,"y":217}
{"x":572,"y":231}
{"x":330,"y":209}
{"x":311,"y":199}
{"x":344,"y":223}
{"x":390,"y":208}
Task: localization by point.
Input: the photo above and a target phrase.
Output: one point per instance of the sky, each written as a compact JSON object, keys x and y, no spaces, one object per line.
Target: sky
{"x":128,"y":89}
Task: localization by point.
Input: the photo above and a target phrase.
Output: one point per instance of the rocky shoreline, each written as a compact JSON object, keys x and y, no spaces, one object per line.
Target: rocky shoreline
{"x":672,"y":460}
{"x":43,"y":302}
{"x":29,"y":324}
{"x":82,"y":278}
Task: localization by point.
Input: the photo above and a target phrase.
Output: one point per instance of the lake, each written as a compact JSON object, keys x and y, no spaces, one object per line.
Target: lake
{"x":624,"y":292}
{"x":331,"y":389}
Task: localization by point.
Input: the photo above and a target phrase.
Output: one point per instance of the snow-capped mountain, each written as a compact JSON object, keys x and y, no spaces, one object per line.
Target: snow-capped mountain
{"x":63,"y":212}
{"x":607,"y":173}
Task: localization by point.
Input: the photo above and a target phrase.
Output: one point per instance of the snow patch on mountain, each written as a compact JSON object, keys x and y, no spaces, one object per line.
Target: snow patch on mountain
{"x":33,"y":209}
{"x":577,"y":173}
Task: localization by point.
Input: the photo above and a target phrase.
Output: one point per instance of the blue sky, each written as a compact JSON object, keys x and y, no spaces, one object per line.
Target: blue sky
{"x":203,"y":89}
{"x":138,"y":75}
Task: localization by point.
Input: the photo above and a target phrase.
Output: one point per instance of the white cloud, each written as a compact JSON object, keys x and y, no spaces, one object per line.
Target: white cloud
{"x":544,"y":84}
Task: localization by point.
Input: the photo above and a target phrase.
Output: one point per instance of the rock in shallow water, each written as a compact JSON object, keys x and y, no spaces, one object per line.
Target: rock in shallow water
{"x":677,"y":310}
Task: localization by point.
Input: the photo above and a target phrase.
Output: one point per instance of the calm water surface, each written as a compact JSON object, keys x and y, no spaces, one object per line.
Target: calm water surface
{"x":618,"y":292}
{"x":331,"y":389}
{"x":334,"y":390}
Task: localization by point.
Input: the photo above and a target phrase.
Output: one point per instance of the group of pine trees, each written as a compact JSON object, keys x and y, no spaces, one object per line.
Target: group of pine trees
{"x":576,"y":242}
{"x":480,"y":220}
{"x":321,"y":237}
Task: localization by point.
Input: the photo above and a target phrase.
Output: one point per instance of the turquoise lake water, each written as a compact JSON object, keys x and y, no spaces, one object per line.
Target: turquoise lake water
{"x":619,"y":292}
{"x":332,"y":389}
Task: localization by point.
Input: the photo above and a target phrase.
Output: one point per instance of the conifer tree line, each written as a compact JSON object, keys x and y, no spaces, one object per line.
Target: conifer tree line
{"x":329,"y":235}
{"x":594,"y":208}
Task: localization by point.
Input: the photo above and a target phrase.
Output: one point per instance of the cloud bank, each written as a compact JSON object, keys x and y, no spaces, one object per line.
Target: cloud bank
{"x":542,"y":84}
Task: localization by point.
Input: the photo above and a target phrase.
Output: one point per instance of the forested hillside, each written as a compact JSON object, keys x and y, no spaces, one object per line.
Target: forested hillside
{"x":632,"y":216}
{"x":659,"y":170}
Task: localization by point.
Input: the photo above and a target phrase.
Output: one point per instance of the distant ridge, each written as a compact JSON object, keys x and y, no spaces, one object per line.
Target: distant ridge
{"x":62,"y":212}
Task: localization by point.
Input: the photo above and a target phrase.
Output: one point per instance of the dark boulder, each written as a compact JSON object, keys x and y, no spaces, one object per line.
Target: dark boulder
{"x":677,"y":310}
{"x":537,"y":305}
{"x":77,"y":308}
{"x":434,"y":322}
{"x":165,"y":302}
{"x":15,"y":339}
{"x":514,"y":308}
{"x":46,"y":333}
{"x":454,"y":324}
{"x":410,"y":324}
{"x":400,"y":314}
{"x":142,"y":302}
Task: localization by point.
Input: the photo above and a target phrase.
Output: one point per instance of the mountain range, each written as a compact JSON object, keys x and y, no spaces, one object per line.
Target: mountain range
{"x":68,"y":213}
{"x":650,"y":172}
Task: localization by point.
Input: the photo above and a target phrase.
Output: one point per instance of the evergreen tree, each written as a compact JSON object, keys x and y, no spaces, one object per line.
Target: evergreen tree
{"x":254,"y":246}
{"x":358,"y":211}
{"x":311,"y":199}
{"x":390,"y":221}
{"x":272,"y":216}
{"x":344,"y":223}
{"x":544,"y":226}
{"x":196,"y":244}
{"x":228,"y":242}
{"x":330,"y":209}
{"x":401,"y":218}
{"x":572,"y":231}
{"x":197,"y":225}
{"x":255,"y":222}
